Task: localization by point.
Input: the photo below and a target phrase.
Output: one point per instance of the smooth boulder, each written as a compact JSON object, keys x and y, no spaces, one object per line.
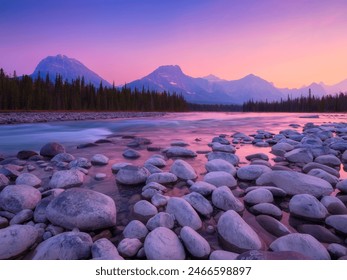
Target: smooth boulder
{"x":183,"y":170}
{"x":196,"y":245}
{"x":65,"y":179}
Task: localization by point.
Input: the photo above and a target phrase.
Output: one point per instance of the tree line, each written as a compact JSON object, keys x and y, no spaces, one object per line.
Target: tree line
{"x":310,"y":103}
{"x":25,"y":93}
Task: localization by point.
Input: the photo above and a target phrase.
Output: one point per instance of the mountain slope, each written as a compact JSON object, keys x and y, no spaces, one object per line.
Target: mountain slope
{"x":68,"y":68}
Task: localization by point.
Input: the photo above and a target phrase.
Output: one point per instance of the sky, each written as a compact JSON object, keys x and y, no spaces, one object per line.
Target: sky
{"x":290,"y":43}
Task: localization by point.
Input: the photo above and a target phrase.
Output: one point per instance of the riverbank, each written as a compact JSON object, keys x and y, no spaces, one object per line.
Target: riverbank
{"x":39,"y":117}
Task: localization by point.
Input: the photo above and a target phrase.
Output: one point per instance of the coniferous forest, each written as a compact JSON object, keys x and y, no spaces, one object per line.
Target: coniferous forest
{"x":24,"y":93}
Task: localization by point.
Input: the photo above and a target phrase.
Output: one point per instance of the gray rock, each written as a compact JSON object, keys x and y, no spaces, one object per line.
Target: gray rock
{"x":40,"y":210}
{"x":83,"y":209}
{"x":3,"y":222}
{"x":319,"y":173}
{"x":231,"y":158}
{"x":158,"y":162}
{"x":218,"y":147}
{"x":277,"y":192}
{"x":202,"y":188}
{"x":303,"y":183}
{"x":236,"y":234}
{"x":332,"y":203}
{"x":25,"y":154}
{"x":179,"y":143}
{"x":135,"y":229}
{"x":299,"y":155}
{"x":267,"y":209}
{"x":28,"y":179}
{"x":220,"y":178}
{"x":258,"y":196}
{"x":220,"y":140}
{"x":184,"y":213}
{"x":4,"y":181}
{"x":272,"y":225}
{"x":199,"y":203}
{"x":144,"y":210}
{"x":224,"y":199}
{"x":131,"y":154}
{"x":329,"y":160}
{"x":161,"y":219}
{"x":65,"y":179}
{"x":183,"y":170}
{"x":80,"y":162}
{"x":100,"y":176}
{"x":344,"y":157}
{"x":99,"y":159}
{"x":337,"y":250}
{"x":314,"y":165}
{"x":262,"y":156}
{"x":132,"y":175}
{"x":159,"y":200}
{"x":51,"y":149}
{"x":163,"y":244}
{"x":129,"y":247}
{"x":179,"y":152}
{"x":63,"y":157}
{"x":301,"y":243}
{"x":15,"y":198}
{"x":117,"y":166}
{"x":64,"y":246}
{"x":307,"y":207}
{"x":223,"y":255}
{"x":103,"y":249}
{"x":22,"y":216}
{"x":252,"y":172}
{"x":162,"y":178}
{"x":16,"y":239}
{"x":10,"y":170}
{"x":152,"y":169}
{"x":321,"y":233}
{"x":196,"y":245}
{"x":342,"y":186}
{"x":280,"y":149}
{"x":220,"y":165}
{"x":338,"y":222}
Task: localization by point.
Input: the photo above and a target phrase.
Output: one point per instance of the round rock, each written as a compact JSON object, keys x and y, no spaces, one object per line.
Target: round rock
{"x":224,"y":199}
{"x":28,"y":179}
{"x":202,"y":188}
{"x":131,"y":154}
{"x":199,"y":203}
{"x":161,"y":219}
{"x":129,"y":247}
{"x":65,"y":179}
{"x":103,"y":249}
{"x":272,"y":225}
{"x":220,"y":165}
{"x":267,"y":209}
{"x":231,"y":158}
{"x":135,"y":229}
{"x":220,"y":178}
{"x":338,"y":222}
{"x":99,"y":159}
{"x":258,"y":196}
{"x":51,"y":149}
{"x":179,"y":152}
{"x":144,"y":210}
{"x":308,"y":207}
{"x":83,"y":209}
{"x":196,"y":245}
{"x":162,"y":178}
{"x":183,"y":170}
{"x":132,"y":175}
{"x":252,"y":172}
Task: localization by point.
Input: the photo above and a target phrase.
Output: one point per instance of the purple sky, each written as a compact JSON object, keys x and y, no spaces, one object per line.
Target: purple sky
{"x":290,"y":43}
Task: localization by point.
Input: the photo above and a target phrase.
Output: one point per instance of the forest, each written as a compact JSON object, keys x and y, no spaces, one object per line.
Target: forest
{"x":24,"y":93}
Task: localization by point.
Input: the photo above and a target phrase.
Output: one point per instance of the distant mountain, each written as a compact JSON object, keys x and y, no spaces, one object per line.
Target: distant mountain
{"x":337,"y":88}
{"x":317,"y":90}
{"x":68,"y":68}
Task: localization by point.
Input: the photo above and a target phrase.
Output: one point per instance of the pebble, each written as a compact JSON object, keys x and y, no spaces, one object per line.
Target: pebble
{"x":272,"y":225}
{"x":252,"y":172}
{"x":308,"y":207}
{"x":220,"y":178}
{"x":196,"y":245}
{"x":258,"y":196}
{"x":132,"y":175}
{"x":338,"y":222}
{"x":65,"y":179}
{"x":144,"y":210}
{"x":131,"y":154}
{"x":129,"y":247}
{"x":162,"y":178}
{"x":183,"y":170}
{"x":224,"y":199}
{"x":267,"y":209}
{"x":162,"y":219}
{"x":103,"y":249}
{"x":220,"y":165}
{"x":199,"y":203}
{"x":135,"y":229}
{"x":99,"y":159}
{"x":202,"y":188}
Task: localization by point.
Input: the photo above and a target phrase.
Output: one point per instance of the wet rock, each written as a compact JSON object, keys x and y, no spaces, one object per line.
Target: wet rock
{"x":99,"y":159}
{"x":15,"y":198}
{"x":152,"y":169}
{"x":51,"y":149}
{"x":301,"y":243}
{"x":277,"y":192}
{"x":63,"y":157}
{"x":183,"y":170}
{"x":202,"y":188}
{"x":266,"y":255}
{"x":159,"y":200}
{"x":28,"y":179}
{"x":307,"y":207}
{"x":131,"y":154}
{"x":334,"y":205}
{"x":80,"y":162}
{"x":218,"y":147}
{"x":129,"y":247}
{"x":337,"y":250}
{"x":322,"y":234}
{"x":22,"y":216}
{"x":236,"y":234}
{"x":220,"y":165}
{"x":258,"y":196}
{"x":314,"y":165}
{"x":4,"y":181}
{"x":132,"y":175}
{"x":135,"y":229}
{"x":16,"y":239}
{"x":319,"y":173}
{"x":155,"y":186}
{"x":64,"y":246}
{"x":342,"y":186}
{"x":224,"y":199}
{"x":272,"y":225}
{"x":179,"y":152}
{"x":196,"y":245}
{"x":162,"y":178}
{"x":100,"y":176}
{"x":231,"y":158}
{"x":220,"y":178}
{"x":83,"y":209}
{"x":65,"y":179}
{"x":163,"y":244}
{"x":183,"y":212}
{"x":3,"y":222}
{"x":267,"y":209}
{"x":299,"y":155}
{"x":161,"y":219}
{"x":220,"y":140}
{"x":303,"y":183}
{"x":338,"y":222}
{"x":199,"y":203}
{"x":11,"y":171}
{"x":262,"y":156}
{"x":158,"y":162}
{"x":280,"y":149}
{"x":103,"y":249}
{"x":329,"y":160}
{"x":117,"y":166}
{"x":25,"y":154}
{"x":86,"y":145}
{"x":179,"y":143}
{"x":223,"y":255}
{"x":144,"y":210}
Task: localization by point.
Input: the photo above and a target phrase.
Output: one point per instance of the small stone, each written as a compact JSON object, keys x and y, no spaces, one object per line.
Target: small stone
{"x":267,"y":209}
{"x":299,"y":155}
{"x":22,"y":216}
{"x":28,"y":179}
{"x":223,"y":255}
{"x":99,"y":159}
{"x":25,"y":154}
{"x":220,"y":178}
{"x":307,"y":207}
{"x":224,"y":199}
{"x":159,"y":200}
{"x":258,"y":196}
{"x":117,"y":166}
{"x":144,"y":210}
{"x":63,"y":157}
{"x":272,"y":225}
{"x":135,"y":229}
{"x":220,"y":165}
{"x":231,"y":158}
{"x":179,"y":152}
{"x":183,"y":170}
{"x":162,"y":178}
{"x":202,"y":188}
{"x":80,"y":162}
{"x":252,"y":172}
{"x":51,"y":149}
{"x":65,"y":179}
{"x":158,"y":162}
{"x":338,"y":222}
{"x":100,"y":176}
{"x":132,"y":175}
{"x":103,"y":249}
{"x":195,"y":243}
{"x":199,"y":203}
{"x":129,"y":247}
{"x":161,"y":219}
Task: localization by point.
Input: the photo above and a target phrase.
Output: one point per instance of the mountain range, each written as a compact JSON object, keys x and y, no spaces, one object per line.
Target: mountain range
{"x":204,"y":90}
